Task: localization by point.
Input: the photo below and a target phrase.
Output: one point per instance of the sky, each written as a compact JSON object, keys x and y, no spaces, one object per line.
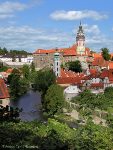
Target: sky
{"x":46,"y":24}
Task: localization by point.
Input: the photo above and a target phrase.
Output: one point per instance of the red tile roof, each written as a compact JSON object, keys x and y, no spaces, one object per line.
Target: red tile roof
{"x":71,"y":51}
{"x":9,"y":70}
{"x":69,"y":77}
{"x":110,"y":64}
{"x":97,"y":85}
{"x":43,"y":51}
{"x":99,"y":61}
{"x":3,"y":90}
{"x":97,"y":55}
{"x":93,"y":71}
{"x":107,"y":73}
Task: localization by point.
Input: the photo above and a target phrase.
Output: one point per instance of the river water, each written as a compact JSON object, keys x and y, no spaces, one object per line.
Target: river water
{"x":30,"y":104}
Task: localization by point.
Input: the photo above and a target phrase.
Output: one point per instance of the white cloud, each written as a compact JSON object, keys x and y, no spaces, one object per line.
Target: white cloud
{"x":77,"y":15}
{"x":89,"y":29}
{"x":28,"y":38}
{"x":8,"y":8}
{"x":95,"y":38}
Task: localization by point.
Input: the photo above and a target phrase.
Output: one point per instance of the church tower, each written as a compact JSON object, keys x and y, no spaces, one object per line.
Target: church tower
{"x":80,"y":40}
{"x":57,"y":68}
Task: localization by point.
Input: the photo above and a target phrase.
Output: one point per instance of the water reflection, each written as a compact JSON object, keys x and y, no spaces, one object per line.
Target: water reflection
{"x":30,"y":103}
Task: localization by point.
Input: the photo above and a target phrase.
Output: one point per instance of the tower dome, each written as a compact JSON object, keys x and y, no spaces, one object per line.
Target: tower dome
{"x":80,"y":40}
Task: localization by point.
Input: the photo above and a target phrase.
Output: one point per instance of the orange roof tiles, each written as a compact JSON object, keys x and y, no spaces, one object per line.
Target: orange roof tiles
{"x":71,"y":51}
{"x":99,"y":61}
{"x":9,"y":70}
{"x":111,"y":55}
{"x":110,"y":64}
{"x":107,"y":73}
{"x":42,"y":51}
{"x":69,"y":77}
{"x":92,"y":71}
{"x":97,"y":55}
{"x":97,"y":85}
{"x":3,"y":90}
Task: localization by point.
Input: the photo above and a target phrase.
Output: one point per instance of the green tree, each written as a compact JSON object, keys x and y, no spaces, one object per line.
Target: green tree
{"x":93,"y":137}
{"x":32,"y":67}
{"x":54,"y":100}
{"x":14,"y":82}
{"x":26,"y":71}
{"x":74,"y":66}
{"x":9,"y":114}
{"x":91,"y":100}
{"x":43,"y":79}
{"x":18,"y":85}
{"x":55,"y":135}
{"x":105,"y":54}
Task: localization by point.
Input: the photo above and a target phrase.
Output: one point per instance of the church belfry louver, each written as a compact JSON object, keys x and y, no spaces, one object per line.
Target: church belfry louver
{"x":80,"y":40}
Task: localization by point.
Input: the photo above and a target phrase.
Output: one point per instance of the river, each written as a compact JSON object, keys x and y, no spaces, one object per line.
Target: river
{"x":30,"y":104}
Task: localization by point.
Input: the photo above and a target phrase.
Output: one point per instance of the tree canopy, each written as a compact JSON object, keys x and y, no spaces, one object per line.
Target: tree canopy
{"x":53,"y":100}
{"x":17,"y":85}
{"x":43,"y":79}
{"x":13,"y":52}
{"x":55,"y":135}
{"x":91,"y":100}
{"x":26,"y":71}
{"x":74,"y":66}
{"x":105,"y":53}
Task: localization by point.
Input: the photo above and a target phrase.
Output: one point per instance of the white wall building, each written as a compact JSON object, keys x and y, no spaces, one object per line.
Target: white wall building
{"x":22,"y":58}
{"x":71,"y":92}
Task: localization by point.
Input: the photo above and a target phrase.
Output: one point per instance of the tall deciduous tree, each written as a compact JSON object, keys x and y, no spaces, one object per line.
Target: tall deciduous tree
{"x":74,"y":66}
{"x":54,"y":100}
{"x":26,"y":71}
{"x":32,"y":67}
{"x":18,"y":85}
{"x":105,"y":54}
{"x":43,"y":80}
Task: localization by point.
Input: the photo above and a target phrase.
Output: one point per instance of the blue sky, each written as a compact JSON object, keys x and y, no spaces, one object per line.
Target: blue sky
{"x":33,"y":24}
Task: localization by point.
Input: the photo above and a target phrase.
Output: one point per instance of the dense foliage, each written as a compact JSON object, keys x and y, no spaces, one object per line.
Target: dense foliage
{"x":3,"y":68}
{"x":53,"y":100}
{"x":43,"y":79}
{"x":13,"y":52}
{"x":9,"y":113}
{"x":3,"y":51}
{"x":74,"y":66}
{"x":91,"y":100}
{"x":18,"y":85}
{"x":26,"y":71}
{"x":105,"y":54}
{"x":55,"y":136}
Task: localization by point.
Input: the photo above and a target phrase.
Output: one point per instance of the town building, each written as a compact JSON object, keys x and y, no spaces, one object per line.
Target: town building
{"x":4,"y":94}
{"x":71,"y":92}
{"x":78,"y":51}
{"x":15,"y":61}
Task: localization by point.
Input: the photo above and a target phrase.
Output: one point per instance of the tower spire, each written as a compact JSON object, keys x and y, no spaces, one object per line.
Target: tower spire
{"x":80,"y":40}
